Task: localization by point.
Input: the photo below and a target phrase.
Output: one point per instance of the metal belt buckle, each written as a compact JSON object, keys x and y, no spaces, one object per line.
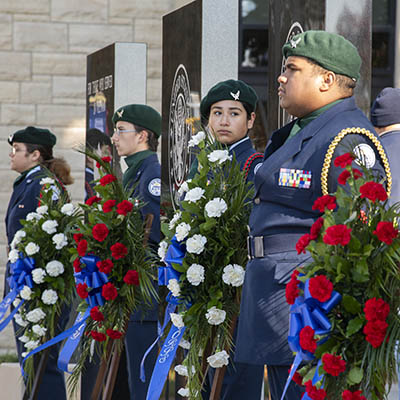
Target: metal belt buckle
{"x":258,"y":247}
{"x":249,"y":256}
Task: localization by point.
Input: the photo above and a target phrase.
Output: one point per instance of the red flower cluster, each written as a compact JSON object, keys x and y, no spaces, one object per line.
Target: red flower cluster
{"x":292,"y":290}
{"x":106,"y":179}
{"x":118,"y":251}
{"x":333,"y":365}
{"x":109,"y":292}
{"x":77,"y":265}
{"x":105,"y":266}
{"x":386,"y":232}
{"x":326,"y":201}
{"x":307,"y":341}
{"x":348,"y":395}
{"x":78,"y":237}
{"x":376,"y":312}
{"x":302,"y":243}
{"x":108,"y":205}
{"x":114,"y":334}
{"x":81,"y":289}
{"x":320,"y":288}
{"x":82,"y":247}
{"x":98,"y":336}
{"x":313,"y":392}
{"x":344,"y":160}
{"x":96,"y":315}
{"x":124,"y":207}
{"x":342,"y":179}
{"x":100,"y":232}
{"x":132,"y":277}
{"x":316,"y":228}
{"x":91,"y":200}
{"x":373,"y":191}
{"x":106,"y":159}
{"x":337,"y":234}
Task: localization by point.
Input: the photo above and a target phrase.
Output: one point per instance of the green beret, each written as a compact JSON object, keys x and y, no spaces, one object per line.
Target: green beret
{"x":33,"y":135}
{"x":228,"y":90}
{"x":139,"y":114}
{"x":330,"y":50}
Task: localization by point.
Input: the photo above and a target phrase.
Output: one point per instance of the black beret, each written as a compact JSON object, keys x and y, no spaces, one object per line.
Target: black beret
{"x":330,"y":50}
{"x":33,"y":135}
{"x":386,"y":108}
{"x":228,"y":90}
{"x":139,"y":114}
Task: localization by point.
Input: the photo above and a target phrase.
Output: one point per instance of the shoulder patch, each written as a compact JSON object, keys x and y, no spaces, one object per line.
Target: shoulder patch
{"x":154,"y":187}
{"x":257,"y":167}
{"x":365,"y":155}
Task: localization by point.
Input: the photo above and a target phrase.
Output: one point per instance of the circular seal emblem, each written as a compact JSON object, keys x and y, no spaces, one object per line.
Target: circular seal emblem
{"x":365,"y":155}
{"x":283,"y":116}
{"x":154,"y":187}
{"x":179,"y":133}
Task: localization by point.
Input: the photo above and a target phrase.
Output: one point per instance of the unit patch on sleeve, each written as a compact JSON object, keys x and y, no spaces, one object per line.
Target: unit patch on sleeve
{"x":155,"y":187}
{"x":295,"y":178}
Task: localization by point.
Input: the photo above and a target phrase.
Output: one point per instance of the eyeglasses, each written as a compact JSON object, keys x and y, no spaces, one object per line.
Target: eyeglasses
{"x":118,"y":131}
{"x":15,"y":150}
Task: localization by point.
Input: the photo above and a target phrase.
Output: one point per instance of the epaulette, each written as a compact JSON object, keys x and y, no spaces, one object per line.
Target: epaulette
{"x":249,"y":161}
{"x":334,"y":144}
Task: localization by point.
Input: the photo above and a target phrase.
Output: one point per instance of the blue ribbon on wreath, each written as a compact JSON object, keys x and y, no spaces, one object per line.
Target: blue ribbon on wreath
{"x":175,"y":255}
{"x":308,"y":311}
{"x":20,"y":276}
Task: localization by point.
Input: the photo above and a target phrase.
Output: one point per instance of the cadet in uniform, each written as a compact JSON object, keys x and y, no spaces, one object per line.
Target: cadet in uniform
{"x":321,"y":71}
{"x":32,"y":149}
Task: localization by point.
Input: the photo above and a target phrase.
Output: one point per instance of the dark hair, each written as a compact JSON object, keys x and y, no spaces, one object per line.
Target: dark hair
{"x":152,"y":139}
{"x":95,"y":137}
{"x":58,"y":166}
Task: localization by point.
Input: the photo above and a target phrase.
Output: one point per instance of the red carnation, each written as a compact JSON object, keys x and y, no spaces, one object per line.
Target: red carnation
{"x":348,"y":395}
{"x":108,"y":205}
{"x":344,"y":160}
{"x":313,"y":392}
{"x":91,"y":200}
{"x":114,"y":334}
{"x":386,"y":232}
{"x":376,"y":309}
{"x":297,"y":378}
{"x":316,"y":228}
{"x":375,"y":332}
{"x":337,"y":234}
{"x":118,"y":250}
{"x":131,"y":277}
{"x":82,"y":247}
{"x":96,"y":315}
{"x":98,"y":336}
{"x":124,"y":207}
{"x":100,"y":232}
{"x":82,"y":291}
{"x":307,"y":341}
{"x":357,"y":173}
{"x":333,"y":365}
{"x":105,"y":266}
{"x":78,"y":237}
{"x":302,"y":243}
{"x":106,"y":179}
{"x":373,"y":191}
{"x":77,"y":265}
{"x":291,"y":292}
{"x":326,"y":201}
{"x":320,"y":288}
{"x":342,"y":179}
{"x":106,"y":159}
{"x":109,"y":292}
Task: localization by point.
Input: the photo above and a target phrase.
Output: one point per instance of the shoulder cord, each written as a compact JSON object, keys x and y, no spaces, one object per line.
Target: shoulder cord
{"x":249,"y":161}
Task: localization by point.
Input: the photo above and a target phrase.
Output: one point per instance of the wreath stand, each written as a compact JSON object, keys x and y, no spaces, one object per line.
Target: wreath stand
{"x":33,"y":393}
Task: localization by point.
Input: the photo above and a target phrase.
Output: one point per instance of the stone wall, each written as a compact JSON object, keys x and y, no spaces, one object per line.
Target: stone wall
{"x":43,"y":49}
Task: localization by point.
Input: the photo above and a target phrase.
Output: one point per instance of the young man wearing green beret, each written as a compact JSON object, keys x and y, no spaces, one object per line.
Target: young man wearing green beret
{"x":321,"y":71}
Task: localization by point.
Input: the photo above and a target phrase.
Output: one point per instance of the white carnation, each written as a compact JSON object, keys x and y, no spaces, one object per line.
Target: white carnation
{"x":38,"y":275}
{"x":174,"y":287}
{"x":233,"y":275}
{"x":20,"y":321}
{"x":195,"y":244}
{"x":49,"y":296}
{"x":24,"y":339}
{"x":47,"y":181}
{"x":195,"y":274}
{"x":174,"y":220}
{"x":39,"y":330}
{"x":215,"y":316}
{"x":177,"y":320}
{"x":194,"y":194}
{"x":13,"y":256}
{"x":50,"y":226}
{"x":42,"y":210}
{"x":197,"y":139}
{"x":31,"y":248}
{"x":32,"y":344}
{"x":60,"y":240}
{"x":219,"y":156}
{"x":162,"y":250}
{"x":215,"y":207}
{"x":54,"y":268}
{"x":17,"y":238}
{"x":35,"y":315}
{"x":184,"y":392}
{"x":32,"y":215}
{"x":68,"y":209}
{"x":182,"y":370}
{"x":26,"y":293}
{"x":184,"y":344}
{"x":184,"y":187}
{"x":182,"y":230}
{"x":219,"y":359}
{"x":16,"y":302}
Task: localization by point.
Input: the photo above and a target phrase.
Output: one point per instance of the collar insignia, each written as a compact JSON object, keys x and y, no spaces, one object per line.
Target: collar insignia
{"x":119,"y":113}
{"x":294,"y":43}
{"x":236,"y":95}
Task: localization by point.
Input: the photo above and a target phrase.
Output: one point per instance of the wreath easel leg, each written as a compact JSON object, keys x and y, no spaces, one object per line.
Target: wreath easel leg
{"x":33,"y":393}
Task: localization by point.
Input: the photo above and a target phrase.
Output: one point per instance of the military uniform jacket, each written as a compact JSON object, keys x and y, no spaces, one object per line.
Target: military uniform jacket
{"x":282,"y":212}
